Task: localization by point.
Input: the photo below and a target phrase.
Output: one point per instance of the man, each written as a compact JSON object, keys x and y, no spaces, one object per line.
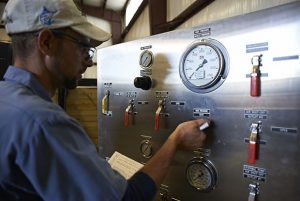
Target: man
{"x":44,"y":153}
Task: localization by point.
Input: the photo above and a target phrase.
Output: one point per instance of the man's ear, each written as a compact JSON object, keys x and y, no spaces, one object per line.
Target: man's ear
{"x":45,"y":41}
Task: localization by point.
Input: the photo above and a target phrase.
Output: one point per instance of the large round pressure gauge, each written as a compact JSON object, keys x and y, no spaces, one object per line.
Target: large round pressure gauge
{"x":201,"y":174}
{"x":204,"y":66}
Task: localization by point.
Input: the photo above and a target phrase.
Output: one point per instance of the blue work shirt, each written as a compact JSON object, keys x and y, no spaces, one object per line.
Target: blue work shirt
{"x":46,"y":155}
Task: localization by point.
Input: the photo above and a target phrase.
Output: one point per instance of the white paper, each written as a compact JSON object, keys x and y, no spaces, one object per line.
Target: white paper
{"x":124,"y":165}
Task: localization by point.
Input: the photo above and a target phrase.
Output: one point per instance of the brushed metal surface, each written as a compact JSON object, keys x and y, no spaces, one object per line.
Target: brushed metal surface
{"x":274,"y":33}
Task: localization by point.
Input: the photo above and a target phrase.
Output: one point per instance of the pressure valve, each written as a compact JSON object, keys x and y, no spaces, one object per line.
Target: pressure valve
{"x":255,"y":76}
{"x":161,"y":107}
{"x":128,"y":111}
{"x":253,"y":142}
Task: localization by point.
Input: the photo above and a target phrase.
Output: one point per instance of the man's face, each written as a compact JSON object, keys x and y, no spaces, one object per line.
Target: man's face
{"x":71,"y":59}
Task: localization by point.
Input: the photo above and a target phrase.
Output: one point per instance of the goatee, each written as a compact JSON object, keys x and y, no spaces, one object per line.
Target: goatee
{"x":71,"y":84}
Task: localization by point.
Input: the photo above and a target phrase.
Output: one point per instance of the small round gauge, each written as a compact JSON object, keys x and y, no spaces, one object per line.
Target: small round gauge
{"x":146,"y":148}
{"x":204,"y":66}
{"x":146,"y":59}
{"x":201,"y":174}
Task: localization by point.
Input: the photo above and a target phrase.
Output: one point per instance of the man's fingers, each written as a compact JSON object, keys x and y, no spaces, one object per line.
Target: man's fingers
{"x":203,"y":124}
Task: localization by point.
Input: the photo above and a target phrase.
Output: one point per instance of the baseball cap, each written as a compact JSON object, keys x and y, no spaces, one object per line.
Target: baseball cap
{"x":32,"y":15}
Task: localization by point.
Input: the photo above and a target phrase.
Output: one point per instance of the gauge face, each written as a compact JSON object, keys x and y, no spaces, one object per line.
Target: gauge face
{"x":146,"y":59}
{"x":201,"y":174}
{"x":202,"y":66}
{"x":146,"y":148}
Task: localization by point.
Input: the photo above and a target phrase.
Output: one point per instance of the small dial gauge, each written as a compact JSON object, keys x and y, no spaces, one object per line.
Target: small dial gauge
{"x":146,"y":59}
{"x":204,"y":66}
{"x":146,"y":148}
{"x":201,"y":174}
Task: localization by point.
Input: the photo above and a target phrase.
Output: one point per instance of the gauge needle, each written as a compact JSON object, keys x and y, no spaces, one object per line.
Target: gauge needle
{"x":198,"y":175}
{"x":200,"y":66}
{"x":145,"y":59}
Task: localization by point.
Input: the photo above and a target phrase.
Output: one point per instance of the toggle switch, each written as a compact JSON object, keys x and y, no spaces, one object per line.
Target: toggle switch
{"x":255,"y":128}
{"x":164,"y":192}
{"x":105,"y":104}
{"x":161,"y":106}
{"x":128,"y":111}
{"x":255,"y":75}
{"x":253,"y":192}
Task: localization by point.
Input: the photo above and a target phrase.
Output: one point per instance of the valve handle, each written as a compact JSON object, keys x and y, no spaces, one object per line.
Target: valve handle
{"x":251,"y":153}
{"x":156,"y":118}
{"x":253,"y":140}
{"x":255,"y":75}
{"x":126,"y":119}
{"x":255,"y":85}
{"x":127,"y":112}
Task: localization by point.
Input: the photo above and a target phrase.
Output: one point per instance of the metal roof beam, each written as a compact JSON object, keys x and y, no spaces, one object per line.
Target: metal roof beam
{"x":157,"y":16}
{"x":160,"y":27}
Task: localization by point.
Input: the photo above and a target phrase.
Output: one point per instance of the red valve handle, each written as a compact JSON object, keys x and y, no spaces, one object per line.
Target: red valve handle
{"x":255,"y":85}
{"x":156,"y":126}
{"x":126,"y":120}
{"x":251,"y":152}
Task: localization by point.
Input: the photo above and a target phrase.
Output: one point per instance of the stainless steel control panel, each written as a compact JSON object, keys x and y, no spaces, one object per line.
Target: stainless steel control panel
{"x":241,"y":72}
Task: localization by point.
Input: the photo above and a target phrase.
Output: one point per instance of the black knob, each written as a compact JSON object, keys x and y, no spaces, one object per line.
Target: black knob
{"x":144,"y":82}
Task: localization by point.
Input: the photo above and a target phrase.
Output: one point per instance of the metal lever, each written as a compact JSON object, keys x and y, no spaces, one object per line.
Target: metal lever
{"x":253,"y":192}
{"x":255,"y":76}
{"x":105,"y":103}
{"x":164,"y":191}
{"x":253,"y":142}
{"x":161,"y":105}
{"x":163,"y":196}
{"x":129,"y":110}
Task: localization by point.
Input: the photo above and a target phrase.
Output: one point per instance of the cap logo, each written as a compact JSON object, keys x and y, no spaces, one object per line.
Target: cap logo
{"x":46,"y":16}
{"x":8,"y":19}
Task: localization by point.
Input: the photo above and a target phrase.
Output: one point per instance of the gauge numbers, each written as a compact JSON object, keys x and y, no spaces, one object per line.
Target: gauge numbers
{"x":203,"y":66}
{"x":201,"y":174}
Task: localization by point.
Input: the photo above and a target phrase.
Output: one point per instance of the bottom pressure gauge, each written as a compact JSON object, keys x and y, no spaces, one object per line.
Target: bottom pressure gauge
{"x":201,"y":174}
{"x":146,"y":148}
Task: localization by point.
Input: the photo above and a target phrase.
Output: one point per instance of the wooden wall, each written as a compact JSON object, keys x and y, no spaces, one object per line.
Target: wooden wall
{"x":81,"y":103}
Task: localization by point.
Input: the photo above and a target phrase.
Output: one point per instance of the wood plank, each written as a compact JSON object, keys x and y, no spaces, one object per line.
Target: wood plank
{"x":81,"y":103}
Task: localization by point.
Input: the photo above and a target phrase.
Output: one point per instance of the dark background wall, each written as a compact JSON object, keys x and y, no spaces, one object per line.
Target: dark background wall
{"x":5,"y":57}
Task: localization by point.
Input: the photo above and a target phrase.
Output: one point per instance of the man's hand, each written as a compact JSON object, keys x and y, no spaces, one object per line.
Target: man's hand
{"x":188,"y":136}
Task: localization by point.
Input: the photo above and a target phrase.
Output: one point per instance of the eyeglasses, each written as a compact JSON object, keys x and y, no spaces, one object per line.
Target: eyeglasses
{"x":84,"y":44}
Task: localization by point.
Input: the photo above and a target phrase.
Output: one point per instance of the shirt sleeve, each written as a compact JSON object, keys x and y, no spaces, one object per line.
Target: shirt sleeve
{"x":140,"y":188}
{"x":62,"y":164}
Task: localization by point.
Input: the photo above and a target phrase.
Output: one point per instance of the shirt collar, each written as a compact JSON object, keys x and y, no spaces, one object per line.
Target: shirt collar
{"x":27,"y":79}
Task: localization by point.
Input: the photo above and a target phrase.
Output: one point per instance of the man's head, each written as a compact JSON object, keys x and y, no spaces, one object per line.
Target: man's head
{"x":57,"y":29}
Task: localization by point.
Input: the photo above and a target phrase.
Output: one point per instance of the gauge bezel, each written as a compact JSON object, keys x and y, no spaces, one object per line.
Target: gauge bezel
{"x":148,"y":65}
{"x":206,"y":163}
{"x":223,"y":66}
{"x":147,"y":143}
